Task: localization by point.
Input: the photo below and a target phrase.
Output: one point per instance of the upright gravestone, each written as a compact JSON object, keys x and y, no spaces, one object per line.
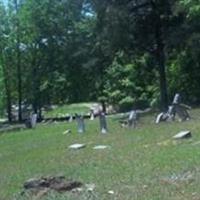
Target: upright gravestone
{"x":31,"y":121}
{"x":171,"y":113}
{"x":80,"y":123}
{"x":103,"y":123}
{"x":70,"y":118}
{"x":92,"y":114}
{"x":132,"y":119}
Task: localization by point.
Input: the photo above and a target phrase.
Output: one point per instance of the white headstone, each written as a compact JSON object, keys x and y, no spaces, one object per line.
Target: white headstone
{"x":80,"y":123}
{"x":33,"y":120}
{"x":132,"y":118}
{"x":176,"y":99}
{"x":103,"y":123}
{"x":70,"y":118}
{"x":92,"y":115}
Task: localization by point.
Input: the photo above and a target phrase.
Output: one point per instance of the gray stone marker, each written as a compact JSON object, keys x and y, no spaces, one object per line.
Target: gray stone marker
{"x":80,"y":123}
{"x":31,"y":122}
{"x":103,"y":123}
{"x":70,"y":118}
{"x":92,"y":114}
{"x":183,"y":134}
{"x":132,"y":119}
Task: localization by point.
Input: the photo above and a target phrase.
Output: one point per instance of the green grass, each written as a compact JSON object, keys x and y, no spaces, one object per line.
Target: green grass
{"x":135,"y":166}
{"x":59,"y":111}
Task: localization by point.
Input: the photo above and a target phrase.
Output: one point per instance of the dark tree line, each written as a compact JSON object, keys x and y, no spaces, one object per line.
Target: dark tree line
{"x":125,"y":52}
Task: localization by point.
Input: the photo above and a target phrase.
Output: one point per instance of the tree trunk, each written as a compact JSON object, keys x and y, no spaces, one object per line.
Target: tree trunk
{"x":160,"y":58}
{"x":19,"y":78}
{"x":8,"y":93}
{"x":19,"y":83}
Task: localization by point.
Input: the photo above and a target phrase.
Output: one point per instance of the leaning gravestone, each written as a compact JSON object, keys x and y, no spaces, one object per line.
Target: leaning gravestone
{"x":103,"y":123}
{"x":183,"y":134}
{"x":162,"y":117}
{"x":132,"y":119}
{"x":80,"y":123}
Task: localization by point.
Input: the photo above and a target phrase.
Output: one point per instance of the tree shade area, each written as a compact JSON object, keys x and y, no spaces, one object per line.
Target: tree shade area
{"x":123,"y":52}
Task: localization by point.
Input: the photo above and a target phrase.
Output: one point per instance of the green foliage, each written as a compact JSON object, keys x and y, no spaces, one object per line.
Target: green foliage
{"x":123,"y":86}
{"x":74,"y":51}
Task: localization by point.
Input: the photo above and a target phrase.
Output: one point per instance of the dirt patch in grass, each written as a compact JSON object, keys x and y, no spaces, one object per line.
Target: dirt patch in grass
{"x":41,"y":186}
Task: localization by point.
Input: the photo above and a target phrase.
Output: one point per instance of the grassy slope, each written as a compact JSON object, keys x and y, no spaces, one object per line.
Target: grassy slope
{"x":83,"y":108}
{"x":133,"y":167}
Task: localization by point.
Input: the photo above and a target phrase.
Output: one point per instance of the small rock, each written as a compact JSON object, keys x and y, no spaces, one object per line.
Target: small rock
{"x":183,"y":134}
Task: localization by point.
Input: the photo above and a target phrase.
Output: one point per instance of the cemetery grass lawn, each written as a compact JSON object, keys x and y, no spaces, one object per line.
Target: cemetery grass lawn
{"x":63,"y":110}
{"x":141,"y":164}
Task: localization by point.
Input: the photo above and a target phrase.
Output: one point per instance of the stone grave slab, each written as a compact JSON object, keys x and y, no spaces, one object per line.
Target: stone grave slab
{"x":183,"y":134}
{"x":77,"y":146}
{"x":99,"y":147}
{"x":67,"y":132}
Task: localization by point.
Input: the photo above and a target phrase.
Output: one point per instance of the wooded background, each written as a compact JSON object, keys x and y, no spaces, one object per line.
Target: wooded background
{"x":124,"y":52}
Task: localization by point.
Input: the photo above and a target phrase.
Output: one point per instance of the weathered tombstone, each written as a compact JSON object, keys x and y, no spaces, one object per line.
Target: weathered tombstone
{"x":177,"y":99}
{"x":92,"y":114}
{"x":80,"y":123}
{"x":132,"y":119}
{"x":183,"y":134}
{"x":70,"y":118}
{"x":171,"y":112}
{"x":160,"y":117}
{"x":103,"y":123}
{"x":31,"y":121}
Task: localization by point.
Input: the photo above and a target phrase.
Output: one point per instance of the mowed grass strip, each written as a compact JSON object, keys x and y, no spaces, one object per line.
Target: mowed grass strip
{"x":139,"y":164}
{"x":69,"y":109}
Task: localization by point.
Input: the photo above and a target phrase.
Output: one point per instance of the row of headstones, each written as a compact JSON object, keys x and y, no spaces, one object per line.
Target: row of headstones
{"x":131,"y":122}
{"x":175,"y":108}
{"x":102,"y":121}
